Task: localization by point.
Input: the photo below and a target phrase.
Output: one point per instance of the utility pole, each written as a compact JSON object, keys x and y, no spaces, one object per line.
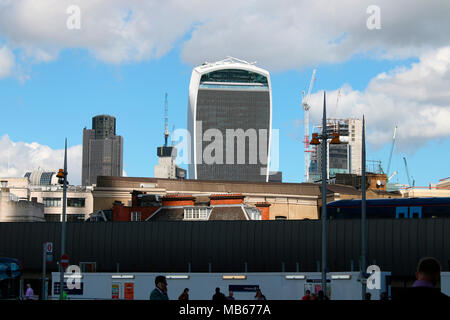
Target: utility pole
{"x":363,"y":211}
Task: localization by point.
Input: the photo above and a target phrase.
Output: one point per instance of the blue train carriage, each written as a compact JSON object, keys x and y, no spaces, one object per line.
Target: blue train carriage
{"x":398,"y":208}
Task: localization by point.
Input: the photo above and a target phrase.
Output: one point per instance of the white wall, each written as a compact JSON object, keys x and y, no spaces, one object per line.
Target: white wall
{"x":202,"y":286}
{"x":445,"y":283}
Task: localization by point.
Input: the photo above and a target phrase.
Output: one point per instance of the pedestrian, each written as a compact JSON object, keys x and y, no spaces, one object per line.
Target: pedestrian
{"x":368,"y":296}
{"x":160,"y":292}
{"x":219,"y":296}
{"x":424,"y":288}
{"x":322,"y":296}
{"x":313,"y":296}
{"x":307,"y":295}
{"x":29,"y":294}
{"x":184,"y":295}
{"x":259,"y":295}
{"x":230,"y":295}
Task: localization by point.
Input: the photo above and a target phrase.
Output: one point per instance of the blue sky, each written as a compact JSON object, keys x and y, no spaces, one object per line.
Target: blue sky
{"x":61,"y":94}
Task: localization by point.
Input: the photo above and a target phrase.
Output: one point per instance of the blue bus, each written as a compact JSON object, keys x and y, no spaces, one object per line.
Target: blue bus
{"x":10,"y":274}
{"x":398,"y":208}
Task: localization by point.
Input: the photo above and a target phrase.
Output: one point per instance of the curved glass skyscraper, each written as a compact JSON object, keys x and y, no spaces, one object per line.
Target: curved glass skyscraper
{"x":229,"y":120}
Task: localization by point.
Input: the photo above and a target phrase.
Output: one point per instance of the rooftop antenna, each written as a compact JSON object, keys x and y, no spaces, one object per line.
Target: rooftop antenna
{"x":166,"y":121}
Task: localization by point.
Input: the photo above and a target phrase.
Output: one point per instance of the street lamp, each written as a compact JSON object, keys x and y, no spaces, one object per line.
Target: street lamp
{"x":316,"y":141}
{"x":62,"y":179}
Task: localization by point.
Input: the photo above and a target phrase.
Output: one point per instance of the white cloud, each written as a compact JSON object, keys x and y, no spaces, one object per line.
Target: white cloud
{"x":17,"y":158}
{"x":416,"y":99}
{"x":7,"y":61}
{"x":278,"y":34}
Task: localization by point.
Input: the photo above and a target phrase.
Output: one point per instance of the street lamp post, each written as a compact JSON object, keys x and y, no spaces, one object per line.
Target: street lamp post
{"x":363,"y":210}
{"x":62,"y":175}
{"x":316,"y":141}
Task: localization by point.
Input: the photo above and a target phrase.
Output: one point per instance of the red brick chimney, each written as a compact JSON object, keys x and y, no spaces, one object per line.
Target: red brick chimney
{"x":264,"y":208}
{"x":234,"y":198}
{"x":178,"y":200}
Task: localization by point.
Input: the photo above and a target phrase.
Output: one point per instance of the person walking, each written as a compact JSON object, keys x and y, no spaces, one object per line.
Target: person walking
{"x":307,"y":295}
{"x":368,"y":296}
{"x":322,"y":296}
{"x":29,"y":294}
{"x":219,"y":296}
{"x":230,"y":295}
{"x":424,"y":288}
{"x":259,"y":295}
{"x":184,"y":295}
{"x":160,"y":292}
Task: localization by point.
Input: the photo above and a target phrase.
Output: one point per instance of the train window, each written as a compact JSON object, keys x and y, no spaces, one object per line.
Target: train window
{"x":415,"y":212}
{"x":401,"y":212}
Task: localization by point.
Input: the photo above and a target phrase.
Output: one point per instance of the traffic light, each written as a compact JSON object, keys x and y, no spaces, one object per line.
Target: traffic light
{"x":60,"y":175}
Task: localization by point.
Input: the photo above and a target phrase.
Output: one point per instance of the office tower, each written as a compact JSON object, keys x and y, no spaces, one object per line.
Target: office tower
{"x":229,"y":121}
{"x":102,"y":150}
{"x":342,"y":158}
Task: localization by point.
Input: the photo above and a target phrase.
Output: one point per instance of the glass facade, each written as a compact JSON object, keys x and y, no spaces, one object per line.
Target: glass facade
{"x":234,"y":75}
{"x":234,"y":109}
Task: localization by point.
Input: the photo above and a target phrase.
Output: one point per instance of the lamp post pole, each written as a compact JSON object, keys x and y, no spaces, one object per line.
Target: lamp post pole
{"x":63,"y":225}
{"x":324,"y":196}
{"x":363,"y":209}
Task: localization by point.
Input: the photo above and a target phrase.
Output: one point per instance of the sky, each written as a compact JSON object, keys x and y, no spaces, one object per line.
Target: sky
{"x":63,"y":62}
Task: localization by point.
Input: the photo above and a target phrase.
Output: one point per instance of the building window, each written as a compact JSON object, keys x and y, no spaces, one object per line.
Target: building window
{"x":52,"y":217}
{"x":76,"y":202}
{"x":136,"y":216}
{"x":196,"y":213}
{"x":75,"y":218}
{"x":88,"y":266}
{"x":51,"y":202}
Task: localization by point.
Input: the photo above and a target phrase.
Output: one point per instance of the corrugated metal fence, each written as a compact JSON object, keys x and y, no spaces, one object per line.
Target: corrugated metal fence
{"x":231,"y":246}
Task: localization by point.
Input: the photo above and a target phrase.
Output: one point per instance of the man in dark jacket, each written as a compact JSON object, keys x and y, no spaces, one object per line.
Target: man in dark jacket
{"x":219,"y":296}
{"x":424,"y":288}
{"x":160,"y":292}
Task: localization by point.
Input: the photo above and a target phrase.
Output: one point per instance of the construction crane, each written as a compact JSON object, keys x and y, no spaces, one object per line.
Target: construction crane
{"x":392,"y":175}
{"x":337,"y":98}
{"x":407,"y":173}
{"x":166,"y":120}
{"x":306,"y":106}
{"x":390,"y":154}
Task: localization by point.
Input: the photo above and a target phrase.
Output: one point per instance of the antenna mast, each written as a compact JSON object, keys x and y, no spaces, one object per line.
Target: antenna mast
{"x":166,"y":121}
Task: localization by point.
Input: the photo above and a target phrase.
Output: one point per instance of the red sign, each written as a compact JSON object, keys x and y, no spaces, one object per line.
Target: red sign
{"x":129,"y":291}
{"x":65,"y":261}
{"x":49,"y":247}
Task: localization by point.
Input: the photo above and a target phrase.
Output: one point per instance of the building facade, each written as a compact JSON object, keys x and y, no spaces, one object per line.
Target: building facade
{"x":80,"y":201}
{"x":15,"y":209}
{"x":341,"y":158}
{"x":102,"y":150}
{"x":229,"y":121}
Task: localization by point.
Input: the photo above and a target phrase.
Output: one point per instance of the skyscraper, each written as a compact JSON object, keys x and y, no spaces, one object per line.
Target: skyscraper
{"x":229,"y":121}
{"x":102,"y":150}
